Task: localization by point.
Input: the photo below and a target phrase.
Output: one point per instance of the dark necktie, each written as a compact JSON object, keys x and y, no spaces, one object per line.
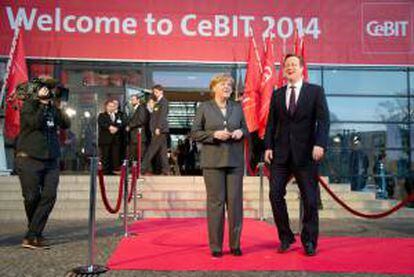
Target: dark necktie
{"x":292,"y":101}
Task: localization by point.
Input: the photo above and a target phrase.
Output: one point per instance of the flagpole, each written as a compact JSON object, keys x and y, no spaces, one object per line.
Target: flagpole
{"x":256,"y":51}
{"x":9,"y":62}
{"x":4,"y":171}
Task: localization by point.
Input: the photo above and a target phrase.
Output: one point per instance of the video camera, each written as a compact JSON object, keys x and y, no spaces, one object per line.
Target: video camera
{"x":30,"y":89}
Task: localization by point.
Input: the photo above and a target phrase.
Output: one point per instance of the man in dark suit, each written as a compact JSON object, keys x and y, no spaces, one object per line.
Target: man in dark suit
{"x":138,"y":120}
{"x":110,"y":125}
{"x":295,"y":141}
{"x":120,"y":136}
{"x":159,"y":131}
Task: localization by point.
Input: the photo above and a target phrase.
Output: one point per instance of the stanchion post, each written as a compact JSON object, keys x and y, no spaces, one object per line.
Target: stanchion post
{"x":134,"y":167}
{"x":125,"y":165}
{"x":261,"y":193}
{"x":91,"y":268}
{"x":138,"y":170}
{"x":300,"y":213}
{"x":139,"y":154}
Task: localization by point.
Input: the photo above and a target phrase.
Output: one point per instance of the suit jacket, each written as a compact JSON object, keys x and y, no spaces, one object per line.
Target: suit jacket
{"x":139,"y":119}
{"x":295,"y":136}
{"x":159,"y":117}
{"x":216,"y":153}
{"x":104,"y":121}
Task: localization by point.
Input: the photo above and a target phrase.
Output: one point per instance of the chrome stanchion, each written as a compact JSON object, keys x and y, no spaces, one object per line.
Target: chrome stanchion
{"x":91,"y":268}
{"x":261,"y":193}
{"x":134,"y":165}
{"x":300,"y":213}
{"x":125,"y":164}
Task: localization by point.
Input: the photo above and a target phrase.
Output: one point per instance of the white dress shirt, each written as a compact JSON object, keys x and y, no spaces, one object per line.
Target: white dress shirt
{"x":298,"y":86}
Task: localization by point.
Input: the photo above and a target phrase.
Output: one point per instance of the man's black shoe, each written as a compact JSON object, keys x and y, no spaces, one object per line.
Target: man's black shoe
{"x":216,"y":254}
{"x":285,"y":245}
{"x":236,"y":252}
{"x":310,"y":249}
{"x":34,"y":243}
{"x":43,"y":241}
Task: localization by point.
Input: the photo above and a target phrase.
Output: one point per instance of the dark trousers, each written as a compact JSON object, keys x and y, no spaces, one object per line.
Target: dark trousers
{"x":110,"y":157}
{"x":39,"y":181}
{"x":308,"y":187}
{"x":224,"y":188}
{"x":157,"y":149}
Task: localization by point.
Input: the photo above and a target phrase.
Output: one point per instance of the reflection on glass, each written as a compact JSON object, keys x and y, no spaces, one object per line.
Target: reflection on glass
{"x":371,"y":140}
{"x":381,"y":82}
{"x":183,"y":79}
{"x":368,"y":108}
{"x":314,"y":75}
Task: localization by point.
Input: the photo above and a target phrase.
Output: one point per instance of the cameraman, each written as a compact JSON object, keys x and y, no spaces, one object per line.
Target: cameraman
{"x":37,"y":159}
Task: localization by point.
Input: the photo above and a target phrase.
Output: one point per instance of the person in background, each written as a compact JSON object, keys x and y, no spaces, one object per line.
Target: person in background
{"x":219,"y":125}
{"x":158,"y":148}
{"x":358,"y":166}
{"x":109,"y":138}
{"x":121,"y":136}
{"x":139,"y":119}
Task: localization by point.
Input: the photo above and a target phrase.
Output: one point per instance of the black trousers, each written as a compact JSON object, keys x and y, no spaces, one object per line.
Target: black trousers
{"x":308,"y":187}
{"x":157,"y":149}
{"x":39,"y":181}
{"x":110,"y":157}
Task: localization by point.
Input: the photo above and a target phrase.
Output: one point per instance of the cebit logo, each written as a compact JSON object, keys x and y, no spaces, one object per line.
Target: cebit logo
{"x":387,"y":27}
{"x":376,"y":28}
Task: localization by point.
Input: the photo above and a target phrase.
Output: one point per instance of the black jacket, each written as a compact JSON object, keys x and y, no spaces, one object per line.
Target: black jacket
{"x":39,"y":125}
{"x":297,"y":135}
{"x":104,"y":121}
{"x":159,"y":117}
{"x":139,"y":119}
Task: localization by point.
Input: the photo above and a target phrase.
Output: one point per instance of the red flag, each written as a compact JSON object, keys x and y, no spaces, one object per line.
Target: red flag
{"x":267,"y":85}
{"x":305,"y":67}
{"x":281,"y":80}
{"x":296,"y":42}
{"x":251,"y":99}
{"x":17,"y":75}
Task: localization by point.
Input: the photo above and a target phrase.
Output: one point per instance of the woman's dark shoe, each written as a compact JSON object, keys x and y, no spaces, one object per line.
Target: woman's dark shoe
{"x":217,"y":254}
{"x":236,"y":252}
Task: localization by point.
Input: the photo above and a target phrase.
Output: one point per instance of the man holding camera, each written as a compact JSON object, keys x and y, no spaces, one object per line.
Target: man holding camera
{"x":37,"y":159}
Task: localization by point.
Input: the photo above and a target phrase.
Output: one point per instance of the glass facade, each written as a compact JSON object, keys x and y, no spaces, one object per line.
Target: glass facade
{"x":373,"y":105}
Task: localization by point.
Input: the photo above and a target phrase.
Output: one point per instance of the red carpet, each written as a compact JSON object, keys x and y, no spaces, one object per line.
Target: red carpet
{"x":181,"y":244}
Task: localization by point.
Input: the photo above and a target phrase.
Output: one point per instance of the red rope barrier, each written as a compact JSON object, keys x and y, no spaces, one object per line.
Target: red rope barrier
{"x":407,"y":199}
{"x":102,"y":187}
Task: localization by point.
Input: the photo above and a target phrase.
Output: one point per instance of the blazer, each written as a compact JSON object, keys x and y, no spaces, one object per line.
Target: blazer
{"x":295,"y":136}
{"x":139,"y":119}
{"x":216,"y":153}
{"x":159,"y":117}
{"x":104,"y":121}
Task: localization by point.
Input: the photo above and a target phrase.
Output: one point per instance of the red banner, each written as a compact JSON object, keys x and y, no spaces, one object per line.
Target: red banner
{"x":336,"y":31}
